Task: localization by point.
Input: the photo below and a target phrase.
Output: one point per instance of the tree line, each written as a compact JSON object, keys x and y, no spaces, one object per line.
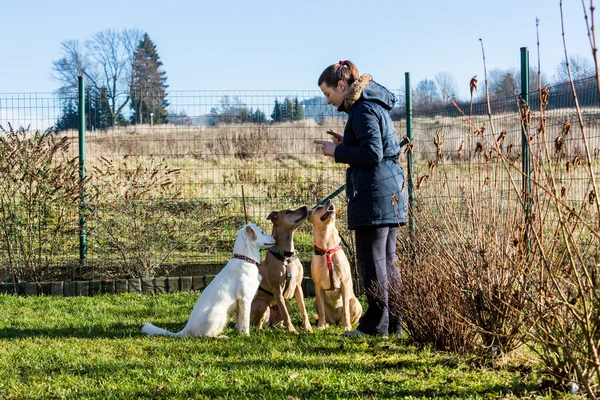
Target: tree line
{"x":126,"y":84}
{"x":430,"y":95}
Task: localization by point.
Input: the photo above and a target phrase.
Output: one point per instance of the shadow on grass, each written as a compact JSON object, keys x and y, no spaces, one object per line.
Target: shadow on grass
{"x":259,"y":366}
{"x":269,"y":379}
{"x":115,"y":330}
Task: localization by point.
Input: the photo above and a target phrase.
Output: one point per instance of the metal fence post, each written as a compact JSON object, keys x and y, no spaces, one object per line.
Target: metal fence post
{"x":525,"y":149}
{"x":82,"y":207}
{"x":410,"y":159}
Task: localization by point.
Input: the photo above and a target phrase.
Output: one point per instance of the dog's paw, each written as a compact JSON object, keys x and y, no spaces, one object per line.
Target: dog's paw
{"x":308,"y":329}
{"x":322,"y":326}
{"x":222,"y":337}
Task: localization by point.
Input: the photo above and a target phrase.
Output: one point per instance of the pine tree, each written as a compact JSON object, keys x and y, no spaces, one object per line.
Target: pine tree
{"x":69,"y":119}
{"x":298,"y":110}
{"x":276,"y":114}
{"x":259,"y":117}
{"x":148,"y":87}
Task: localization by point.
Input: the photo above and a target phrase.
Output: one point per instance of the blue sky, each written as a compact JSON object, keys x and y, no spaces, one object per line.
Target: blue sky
{"x":284,"y":45}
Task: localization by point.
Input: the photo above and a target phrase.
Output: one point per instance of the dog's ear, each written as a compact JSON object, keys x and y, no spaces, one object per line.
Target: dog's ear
{"x":272,"y":216}
{"x":250,"y":233}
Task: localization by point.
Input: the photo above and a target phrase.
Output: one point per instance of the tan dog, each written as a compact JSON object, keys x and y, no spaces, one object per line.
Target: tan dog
{"x":335,"y":300}
{"x":282,"y":275}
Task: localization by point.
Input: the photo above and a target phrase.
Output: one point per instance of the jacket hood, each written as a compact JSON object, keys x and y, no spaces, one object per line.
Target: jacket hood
{"x":366,"y":88}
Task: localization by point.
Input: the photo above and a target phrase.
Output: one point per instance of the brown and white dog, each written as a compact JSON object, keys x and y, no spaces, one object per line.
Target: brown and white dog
{"x":335,"y":301}
{"x":282,"y":275}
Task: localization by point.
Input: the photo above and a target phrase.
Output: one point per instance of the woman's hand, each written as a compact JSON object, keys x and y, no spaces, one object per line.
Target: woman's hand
{"x":328,"y":148}
{"x":336,"y":137}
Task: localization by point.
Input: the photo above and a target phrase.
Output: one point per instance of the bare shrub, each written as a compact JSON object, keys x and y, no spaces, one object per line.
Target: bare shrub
{"x":137,"y":216}
{"x":39,"y":193}
{"x":467,"y":274}
{"x":564,"y":294}
{"x":427,"y":301}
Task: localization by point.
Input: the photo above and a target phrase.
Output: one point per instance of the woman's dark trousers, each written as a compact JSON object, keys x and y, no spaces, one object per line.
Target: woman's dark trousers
{"x":376,"y":257}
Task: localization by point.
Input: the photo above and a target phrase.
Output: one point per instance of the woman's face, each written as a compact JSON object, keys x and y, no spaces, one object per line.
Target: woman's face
{"x":335,"y":95}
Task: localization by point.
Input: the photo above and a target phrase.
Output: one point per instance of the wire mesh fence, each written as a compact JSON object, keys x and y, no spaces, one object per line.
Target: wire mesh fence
{"x":168,"y":185}
{"x":464,"y":144}
{"x":168,"y":196}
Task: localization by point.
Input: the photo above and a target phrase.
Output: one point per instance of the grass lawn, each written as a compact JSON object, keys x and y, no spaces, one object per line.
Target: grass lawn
{"x":89,"y":347}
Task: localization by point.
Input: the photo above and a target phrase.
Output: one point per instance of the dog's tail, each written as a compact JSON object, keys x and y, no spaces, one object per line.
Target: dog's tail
{"x":152,"y":330}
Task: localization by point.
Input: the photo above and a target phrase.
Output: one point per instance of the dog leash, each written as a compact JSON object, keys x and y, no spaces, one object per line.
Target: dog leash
{"x":332,"y":195}
{"x":327,"y":253}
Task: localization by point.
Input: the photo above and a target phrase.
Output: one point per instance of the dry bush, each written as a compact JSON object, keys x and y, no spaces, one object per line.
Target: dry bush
{"x":39,"y":193}
{"x":514,"y":266}
{"x":564,"y":301}
{"x":469,"y":261}
{"x":427,"y":301}
{"x":137,"y":217}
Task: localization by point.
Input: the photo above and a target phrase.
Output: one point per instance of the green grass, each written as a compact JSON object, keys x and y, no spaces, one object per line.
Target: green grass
{"x":89,"y":347}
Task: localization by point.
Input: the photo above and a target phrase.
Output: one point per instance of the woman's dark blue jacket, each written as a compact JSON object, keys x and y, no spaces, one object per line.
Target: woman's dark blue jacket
{"x":375,"y":186}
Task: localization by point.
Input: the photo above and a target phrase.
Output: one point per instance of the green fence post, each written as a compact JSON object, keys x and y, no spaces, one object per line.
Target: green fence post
{"x":82,"y":207}
{"x":410,"y":158}
{"x":525,"y":150}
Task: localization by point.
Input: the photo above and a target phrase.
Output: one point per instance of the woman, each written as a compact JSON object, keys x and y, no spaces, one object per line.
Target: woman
{"x":377,"y":200}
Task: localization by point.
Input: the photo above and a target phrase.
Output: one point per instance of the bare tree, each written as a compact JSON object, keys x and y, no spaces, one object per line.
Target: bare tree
{"x":581,"y":67}
{"x":73,"y":64}
{"x":105,"y":61}
{"x":533,"y":79}
{"x":502,"y":83}
{"x":426,"y":96}
{"x":448,"y":83}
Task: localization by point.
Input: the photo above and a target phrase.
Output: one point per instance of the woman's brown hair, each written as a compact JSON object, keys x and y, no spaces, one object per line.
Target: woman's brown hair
{"x":344,"y":70}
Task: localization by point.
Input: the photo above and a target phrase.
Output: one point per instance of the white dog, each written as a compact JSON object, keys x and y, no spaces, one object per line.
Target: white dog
{"x":231,"y":291}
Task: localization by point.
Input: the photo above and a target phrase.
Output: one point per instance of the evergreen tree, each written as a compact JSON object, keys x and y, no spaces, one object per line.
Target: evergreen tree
{"x":148,"y":85}
{"x":276,"y":114}
{"x":298,"y":113}
{"x":288,"y":110}
{"x":97,"y":110}
{"x":69,"y":118}
{"x":259,"y":117}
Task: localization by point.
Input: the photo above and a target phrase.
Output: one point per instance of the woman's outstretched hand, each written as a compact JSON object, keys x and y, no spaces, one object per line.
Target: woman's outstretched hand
{"x":328,"y":148}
